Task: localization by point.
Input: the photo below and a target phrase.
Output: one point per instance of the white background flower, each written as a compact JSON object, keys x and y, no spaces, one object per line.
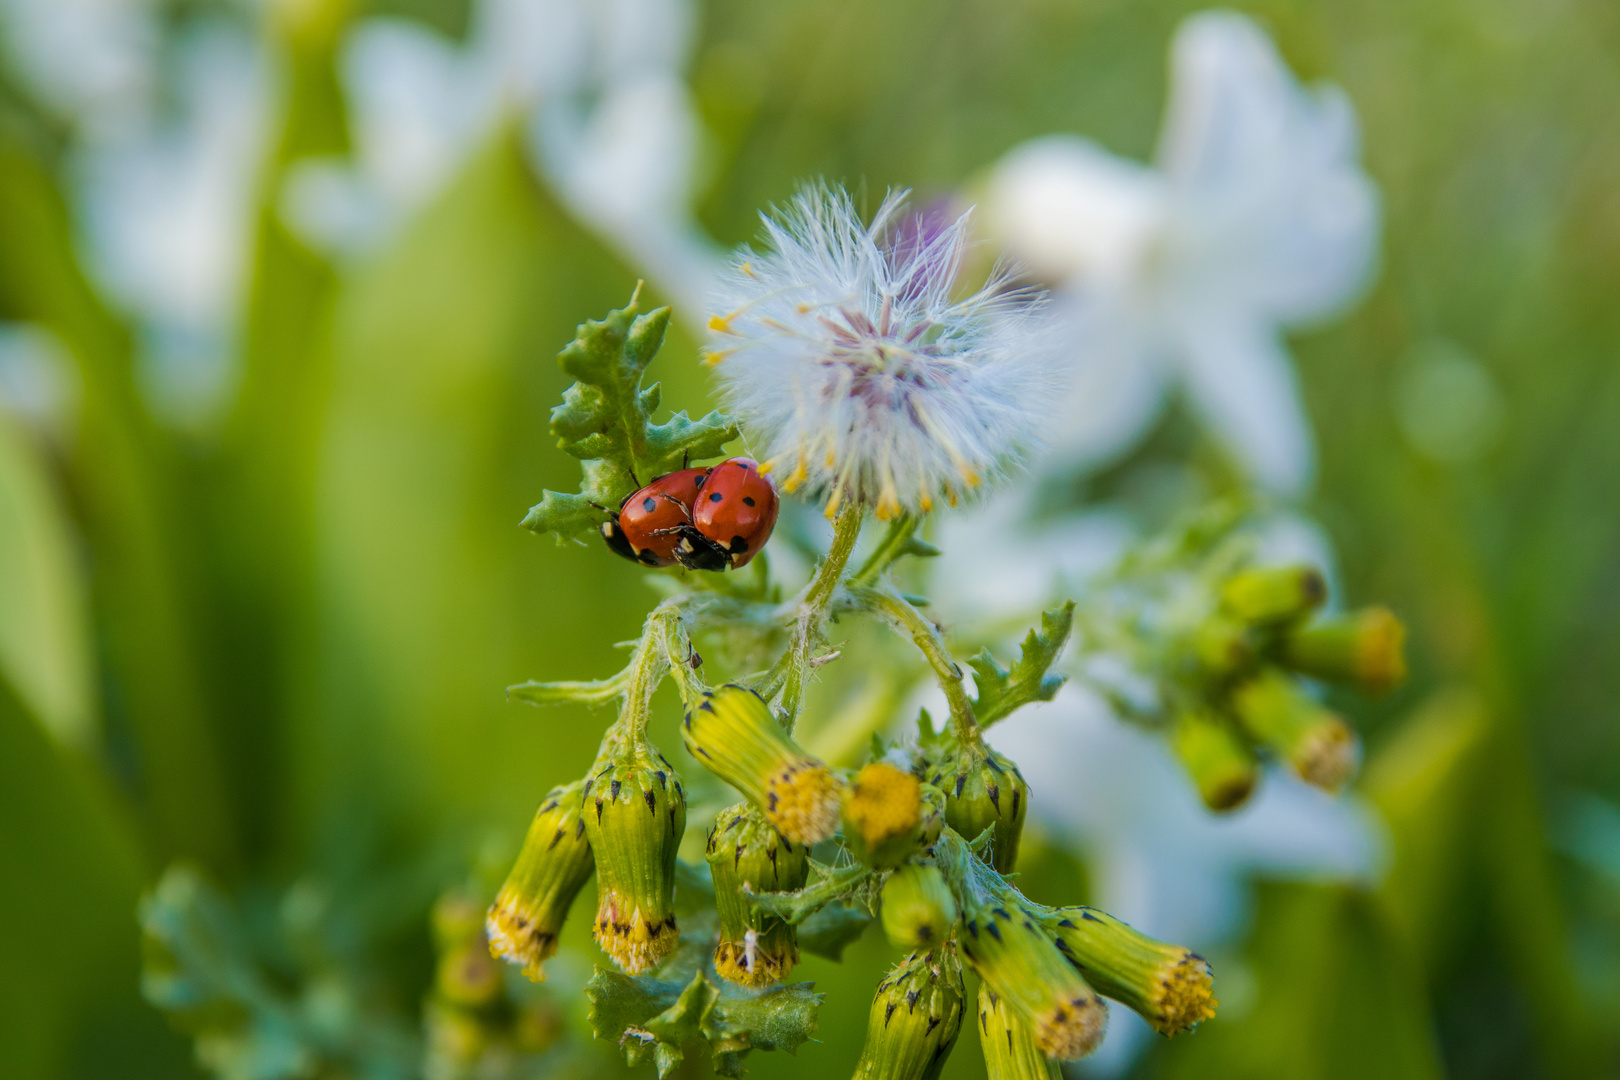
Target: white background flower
{"x":1256,"y":217}
{"x":599,"y":86}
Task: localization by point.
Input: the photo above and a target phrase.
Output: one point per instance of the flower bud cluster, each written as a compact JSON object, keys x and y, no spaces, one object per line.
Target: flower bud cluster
{"x":625,"y":819}
{"x":1227,"y":650}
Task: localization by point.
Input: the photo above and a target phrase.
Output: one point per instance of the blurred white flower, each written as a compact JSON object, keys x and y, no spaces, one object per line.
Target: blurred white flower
{"x":845,"y":355}
{"x":167,"y":212}
{"x":1160,"y":860}
{"x":608,"y":119}
{"x":92,"y":62}
{"x":1256,"y":217}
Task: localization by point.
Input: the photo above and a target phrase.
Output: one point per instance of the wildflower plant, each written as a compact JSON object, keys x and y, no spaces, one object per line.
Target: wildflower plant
{"x":861,"y":365}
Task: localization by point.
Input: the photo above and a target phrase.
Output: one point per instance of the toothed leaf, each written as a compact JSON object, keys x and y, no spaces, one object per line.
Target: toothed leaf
{"x":1002,"y":690}
{"x":831,"y":930}
{"x":605,"y":420}
{"x":652,"y":1019}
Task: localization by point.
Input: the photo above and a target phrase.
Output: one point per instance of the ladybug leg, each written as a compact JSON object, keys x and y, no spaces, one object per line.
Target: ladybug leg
{"x":697,"y":552}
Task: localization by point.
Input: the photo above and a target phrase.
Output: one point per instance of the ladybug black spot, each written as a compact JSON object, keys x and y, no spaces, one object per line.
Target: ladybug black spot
{"x":714,"y":496}
{"x":748,"y":500}
{"x":738,"y":545}
{"x":649,"y":504}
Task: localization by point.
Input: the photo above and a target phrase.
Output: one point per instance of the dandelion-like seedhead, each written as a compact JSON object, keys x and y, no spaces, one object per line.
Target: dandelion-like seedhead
{"x":852,"y":363}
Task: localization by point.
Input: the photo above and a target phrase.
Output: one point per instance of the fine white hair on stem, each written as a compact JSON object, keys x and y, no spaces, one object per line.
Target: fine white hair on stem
{"x":852,"y":361}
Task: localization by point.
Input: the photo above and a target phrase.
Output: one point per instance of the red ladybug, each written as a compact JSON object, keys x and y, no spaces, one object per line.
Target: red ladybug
{"x":735,"y":510}
{"x":652,"y":522}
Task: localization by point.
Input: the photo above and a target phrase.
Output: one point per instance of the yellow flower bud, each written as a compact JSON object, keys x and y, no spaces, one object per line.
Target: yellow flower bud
{"x":734,"y":735}
{"x":919,"y":910}
{"x":1216,"y":758}
{"x":756,"y":949}
{"x":1169,"y":985}
{"x":914,"y":1020}
{"x":552,"y":867}
{"x":1008,"y":1043}
{"x":635,"y":813}
{"x":1365,"y":648}
{"x":1275,"y":711}
{"x":888,"y":814}
{"x":1267,"y":596}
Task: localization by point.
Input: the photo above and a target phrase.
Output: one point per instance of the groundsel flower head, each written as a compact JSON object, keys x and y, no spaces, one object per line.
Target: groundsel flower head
{"x":852,"y":362}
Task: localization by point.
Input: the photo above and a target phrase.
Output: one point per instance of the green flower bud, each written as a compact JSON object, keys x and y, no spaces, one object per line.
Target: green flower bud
{"x":1215,"y":757}
{"x":983,"y":790}
{"x":1008,"y":1043}
{"x":888,"y":814}
{"x":1267,"y":596}
{"x":1364,"y":648}
{"x":915,"y":1018}
{"x":552,"y":867}
{"x":1276,"y":712}
{"x":1169,"y":985}
{"x":755,"y":949}
{"x":734,"y":735}
{"x":1003,"y":940}
{"x":918,"y":907}
{"x":635,"y":813}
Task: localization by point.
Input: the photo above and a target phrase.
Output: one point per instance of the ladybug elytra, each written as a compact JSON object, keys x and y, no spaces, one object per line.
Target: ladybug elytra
{"x":736,"y":509}
{"x":650,"y":522}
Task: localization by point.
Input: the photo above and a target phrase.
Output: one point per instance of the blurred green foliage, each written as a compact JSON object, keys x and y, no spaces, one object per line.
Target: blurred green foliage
{"x":279,"y":648}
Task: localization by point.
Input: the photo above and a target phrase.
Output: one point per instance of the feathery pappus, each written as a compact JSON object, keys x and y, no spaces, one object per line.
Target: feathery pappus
{"x":854,"y":365}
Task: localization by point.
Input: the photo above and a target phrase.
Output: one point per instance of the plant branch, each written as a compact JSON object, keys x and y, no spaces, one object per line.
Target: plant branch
{"x":901,"y":613}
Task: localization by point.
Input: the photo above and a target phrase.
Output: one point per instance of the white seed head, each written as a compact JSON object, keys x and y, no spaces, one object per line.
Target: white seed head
{"x":856,"y":369}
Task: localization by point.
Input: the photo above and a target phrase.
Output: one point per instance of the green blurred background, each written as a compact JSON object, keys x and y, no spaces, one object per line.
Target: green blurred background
{"x":276,"y":643}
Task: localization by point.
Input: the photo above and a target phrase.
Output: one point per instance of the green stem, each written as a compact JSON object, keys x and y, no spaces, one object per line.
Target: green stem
{"x":792,"y":670}
{"x":645,"y":671}
{"x":890,"y":548}
{"x":903,"y":614}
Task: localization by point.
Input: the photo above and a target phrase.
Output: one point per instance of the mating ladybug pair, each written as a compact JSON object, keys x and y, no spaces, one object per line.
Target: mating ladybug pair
{"x":704,"y":519}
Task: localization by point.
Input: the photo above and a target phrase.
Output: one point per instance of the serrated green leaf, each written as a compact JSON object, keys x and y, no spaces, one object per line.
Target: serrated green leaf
{"x":831,"y":930}
{"x":652,"y":1019}
{"x":605,"y":420}
{"x":1002,"y":691}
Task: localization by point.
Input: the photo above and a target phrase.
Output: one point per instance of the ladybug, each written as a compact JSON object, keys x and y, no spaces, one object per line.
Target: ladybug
{"x":735,"y":510}
{"x":652,"y":522}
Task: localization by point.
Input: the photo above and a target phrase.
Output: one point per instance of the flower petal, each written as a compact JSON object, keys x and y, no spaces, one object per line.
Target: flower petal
{"x":1242,"y":381}
{"x":1272,"y":210}
{"x":1072,"y":211}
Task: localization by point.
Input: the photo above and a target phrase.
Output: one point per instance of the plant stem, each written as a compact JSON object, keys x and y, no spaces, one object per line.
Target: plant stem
{"x":890,"y":548}
{"x":904,"y":615}
{"x":792,"y":670}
